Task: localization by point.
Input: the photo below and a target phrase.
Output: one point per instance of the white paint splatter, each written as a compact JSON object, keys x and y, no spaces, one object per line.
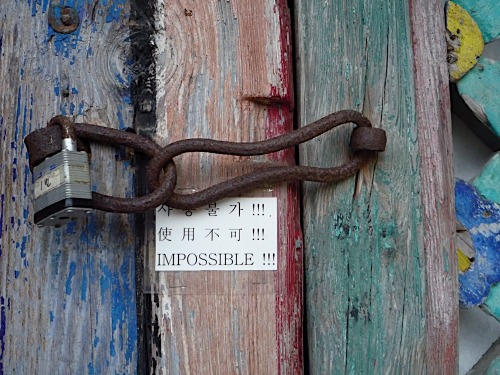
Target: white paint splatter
{"x":486,"y":229}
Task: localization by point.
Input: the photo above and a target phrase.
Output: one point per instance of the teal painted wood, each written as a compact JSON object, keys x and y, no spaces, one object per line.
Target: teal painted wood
{"x":486,"y":14}
{"x":492,"y":303}
{"x":488,"y":181}
{"x":375,"y":303}
{"x":67,"y":295}
{"x":494,"y":368}
{"x":480,"y":89}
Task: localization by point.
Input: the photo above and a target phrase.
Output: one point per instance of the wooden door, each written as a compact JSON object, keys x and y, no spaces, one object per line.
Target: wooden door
{"x":68,"y":295}
{"x":380,"y":273}
{"x":225,"y":72}
{"x":380,"y":266}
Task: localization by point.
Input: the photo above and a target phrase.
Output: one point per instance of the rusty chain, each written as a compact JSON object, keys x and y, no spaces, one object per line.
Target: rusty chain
{"x":365,"y":143}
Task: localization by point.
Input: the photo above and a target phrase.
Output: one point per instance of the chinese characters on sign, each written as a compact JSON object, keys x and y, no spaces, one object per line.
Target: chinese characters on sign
{"x":228,"y":235}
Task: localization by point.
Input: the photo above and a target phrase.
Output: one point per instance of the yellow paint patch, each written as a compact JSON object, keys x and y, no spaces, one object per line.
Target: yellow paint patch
{"x":465,"y":41}
{"x":464,"y":262}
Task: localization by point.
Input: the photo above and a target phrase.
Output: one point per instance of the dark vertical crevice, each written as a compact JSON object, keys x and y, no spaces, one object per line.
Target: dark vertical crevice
{"x":296,"y":125}
{"x":142,"y":32}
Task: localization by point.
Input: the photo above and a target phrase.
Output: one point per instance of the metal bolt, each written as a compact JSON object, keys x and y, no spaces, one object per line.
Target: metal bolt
{"x":63,"y":19}
{"x":66,"y":17}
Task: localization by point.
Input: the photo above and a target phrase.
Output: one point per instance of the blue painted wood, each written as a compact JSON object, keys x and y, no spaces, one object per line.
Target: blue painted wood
{"x":67,"y":296}
{"x":488,"y":184}
{"x":481,"y":218}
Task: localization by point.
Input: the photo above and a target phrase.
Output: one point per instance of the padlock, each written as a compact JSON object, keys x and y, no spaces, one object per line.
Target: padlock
{"x":62,"y":184}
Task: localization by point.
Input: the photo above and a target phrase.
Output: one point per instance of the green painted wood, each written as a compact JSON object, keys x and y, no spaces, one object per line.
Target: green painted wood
{"x":486,"y":14}
{"x":67,"y":295}
{"x":380,"y":267}
{"x":492,"y":303}
{"x":494,"y":368}
{"x":480,"y":89}
{"x":488,"y":181}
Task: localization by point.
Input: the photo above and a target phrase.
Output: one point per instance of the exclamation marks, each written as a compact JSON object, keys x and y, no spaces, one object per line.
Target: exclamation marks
{"x":258,"y":209}
{"x":258,"y":234}
{"x":269,"y":259}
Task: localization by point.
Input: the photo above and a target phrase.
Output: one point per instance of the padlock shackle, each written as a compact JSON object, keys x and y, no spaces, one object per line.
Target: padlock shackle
{"x":69,"y":144}
{"x":68,"y":133}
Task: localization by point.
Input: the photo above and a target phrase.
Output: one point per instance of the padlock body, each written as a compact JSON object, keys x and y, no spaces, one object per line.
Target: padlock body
{"x":62,"y":188}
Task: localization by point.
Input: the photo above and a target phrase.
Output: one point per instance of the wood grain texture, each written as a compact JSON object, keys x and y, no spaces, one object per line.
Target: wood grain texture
{"x":224,"y":72}
{"x":432,"y":104}
{"x":370,"y":240}
{"x":480,"y":90}
{"x":67,"y":295}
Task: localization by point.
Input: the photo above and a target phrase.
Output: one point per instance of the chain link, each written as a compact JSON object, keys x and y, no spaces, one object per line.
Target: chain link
{"x":365,"y":143}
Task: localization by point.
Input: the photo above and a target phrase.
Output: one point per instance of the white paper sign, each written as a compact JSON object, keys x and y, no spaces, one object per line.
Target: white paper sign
{"x":229,"y":235}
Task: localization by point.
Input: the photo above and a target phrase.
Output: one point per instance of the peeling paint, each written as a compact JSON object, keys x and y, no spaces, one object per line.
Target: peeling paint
{"x":72,"y":271}
{"x":123,"y":314}
{"x":83,"y":289}
{"x":3,"y":323}
{"x":481,"y":218}
{"x":2,"y":198}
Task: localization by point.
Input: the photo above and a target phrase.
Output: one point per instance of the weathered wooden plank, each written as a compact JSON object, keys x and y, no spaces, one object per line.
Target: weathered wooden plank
{"x":484,"y":132}
{"x":369,"y":240}
{"x":68,"y":294}
{"x":488,"y":181}
{"x":224,"y":72}
{"x":432,"y":104}
{"x":480,"y":90}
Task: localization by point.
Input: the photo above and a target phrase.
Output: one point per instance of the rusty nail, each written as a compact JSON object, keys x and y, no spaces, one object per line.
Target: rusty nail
{"x":63,"y":19}
{"x":66,"y":17}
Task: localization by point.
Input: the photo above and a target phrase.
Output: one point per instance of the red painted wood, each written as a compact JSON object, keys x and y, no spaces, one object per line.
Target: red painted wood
{"x":225,"y":72}
{"x":432,"y":104}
